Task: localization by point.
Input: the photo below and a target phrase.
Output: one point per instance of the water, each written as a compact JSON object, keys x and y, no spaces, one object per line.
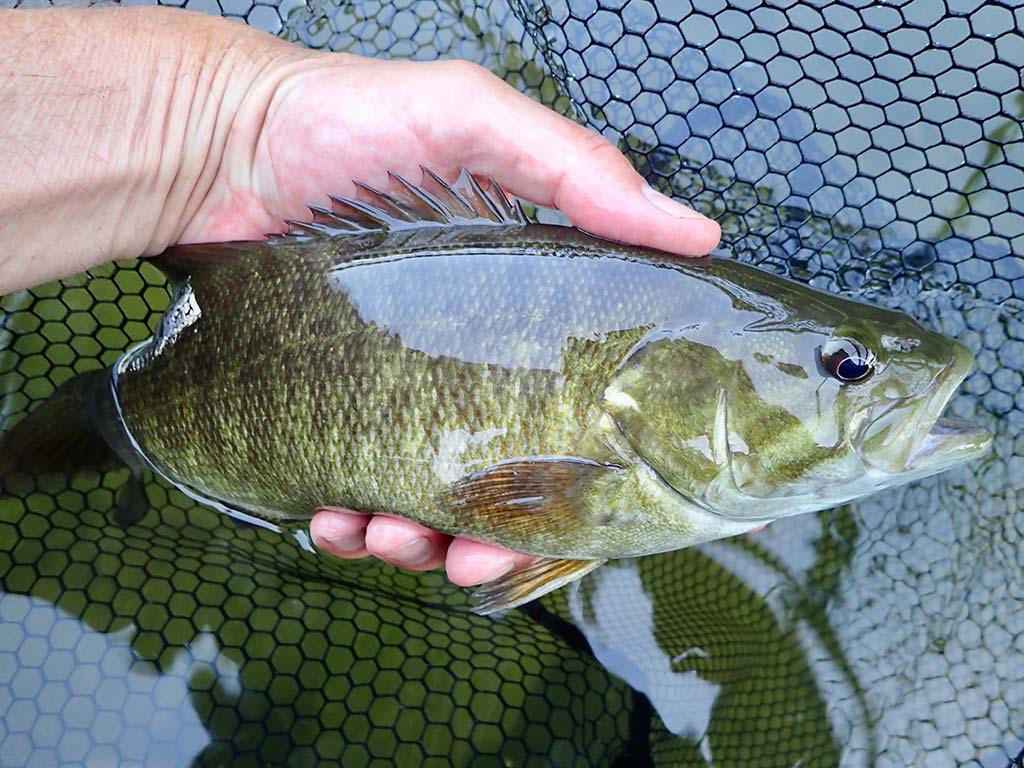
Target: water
{"x":872,"y":150}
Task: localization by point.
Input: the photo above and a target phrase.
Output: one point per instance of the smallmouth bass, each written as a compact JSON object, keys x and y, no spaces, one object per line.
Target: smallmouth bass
{"x":428,"y":352}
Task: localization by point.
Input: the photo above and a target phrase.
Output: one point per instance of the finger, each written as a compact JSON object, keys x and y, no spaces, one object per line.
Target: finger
{"x":552,"y":161}
{"x":405,"y":544}
{"x":340,"y":532}
{"x":474,"y":562}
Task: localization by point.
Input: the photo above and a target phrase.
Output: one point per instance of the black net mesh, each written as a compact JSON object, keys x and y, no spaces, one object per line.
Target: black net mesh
{"x":871,"y":149}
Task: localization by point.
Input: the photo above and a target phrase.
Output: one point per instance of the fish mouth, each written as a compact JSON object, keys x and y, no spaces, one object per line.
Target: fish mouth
{"x":923,"y":442}
{"x":948,"y":443}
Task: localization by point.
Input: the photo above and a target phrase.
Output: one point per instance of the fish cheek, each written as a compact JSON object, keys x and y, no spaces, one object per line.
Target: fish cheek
{"x":777,"y":451}
{"x":698,"y":419}
{"x":777,"y":456}
{"x":664,"y":401}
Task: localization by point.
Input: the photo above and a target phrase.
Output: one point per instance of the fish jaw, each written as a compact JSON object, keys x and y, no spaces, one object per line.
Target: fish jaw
{"x":949,"y":442}
{"x":910,"y":443}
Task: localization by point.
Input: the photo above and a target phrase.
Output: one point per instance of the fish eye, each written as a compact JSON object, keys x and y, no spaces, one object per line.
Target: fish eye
{"x":848,"y":361}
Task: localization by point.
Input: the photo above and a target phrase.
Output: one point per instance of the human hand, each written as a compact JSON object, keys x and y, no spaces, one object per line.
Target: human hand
{"x":338,"y":118}
{"x":310,"y":127}
{"x":262,"y":129}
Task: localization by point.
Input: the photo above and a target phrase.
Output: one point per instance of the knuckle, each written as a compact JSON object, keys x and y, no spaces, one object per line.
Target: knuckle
{"x":599,"y":148}
{"x":468,"y":73}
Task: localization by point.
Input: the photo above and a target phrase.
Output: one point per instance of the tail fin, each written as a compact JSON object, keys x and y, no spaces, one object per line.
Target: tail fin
{"x":60,"y":435}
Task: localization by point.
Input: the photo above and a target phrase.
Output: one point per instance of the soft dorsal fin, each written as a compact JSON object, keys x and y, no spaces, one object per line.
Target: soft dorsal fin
{"x":433,"y":204}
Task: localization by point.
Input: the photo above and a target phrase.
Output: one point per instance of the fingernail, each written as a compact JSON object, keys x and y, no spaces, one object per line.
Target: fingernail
{"x":502,"y":569}
{"x":349,"y":542}
{"x":414,"y":552}
{"x":670,"y":206}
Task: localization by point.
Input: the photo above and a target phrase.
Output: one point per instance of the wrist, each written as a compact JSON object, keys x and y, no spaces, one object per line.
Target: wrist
{"x":219,"y":88}
{"x":116,"y":134}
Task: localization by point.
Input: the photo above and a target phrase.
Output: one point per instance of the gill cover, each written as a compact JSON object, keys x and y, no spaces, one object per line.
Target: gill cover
{"x":696,"y":417}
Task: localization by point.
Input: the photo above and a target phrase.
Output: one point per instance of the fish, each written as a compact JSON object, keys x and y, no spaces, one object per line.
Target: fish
{"x":427,"y":351}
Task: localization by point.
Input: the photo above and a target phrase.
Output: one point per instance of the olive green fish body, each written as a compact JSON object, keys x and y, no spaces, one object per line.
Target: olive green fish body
{"x":378,"y":383}
{"x":428,"y":353}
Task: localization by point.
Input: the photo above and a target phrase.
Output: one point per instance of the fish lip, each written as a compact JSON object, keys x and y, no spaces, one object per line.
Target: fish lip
{"x":950,"y":441}
{"x":946,"y":442}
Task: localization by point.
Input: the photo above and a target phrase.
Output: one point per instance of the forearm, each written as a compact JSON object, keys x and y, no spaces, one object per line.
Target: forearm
{"x":112,"y":126}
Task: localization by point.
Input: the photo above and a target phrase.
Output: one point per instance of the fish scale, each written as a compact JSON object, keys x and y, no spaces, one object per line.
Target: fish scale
{"x":444,"y":394}
{"x":900,"y":628}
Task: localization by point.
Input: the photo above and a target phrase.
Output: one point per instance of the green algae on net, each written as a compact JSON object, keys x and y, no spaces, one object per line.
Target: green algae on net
{"x":211,"y":644}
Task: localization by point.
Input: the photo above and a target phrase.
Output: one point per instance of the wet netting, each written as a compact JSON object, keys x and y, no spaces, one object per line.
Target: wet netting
{"x":871,"y":149}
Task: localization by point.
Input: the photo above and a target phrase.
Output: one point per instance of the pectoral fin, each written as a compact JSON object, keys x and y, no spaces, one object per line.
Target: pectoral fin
{"x":530,"y":583}
{"x":542,"y":499}
{"x":520,"y":499}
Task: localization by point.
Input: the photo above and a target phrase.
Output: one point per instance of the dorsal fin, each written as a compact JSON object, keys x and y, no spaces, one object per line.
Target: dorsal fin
{"x":405,"y":206}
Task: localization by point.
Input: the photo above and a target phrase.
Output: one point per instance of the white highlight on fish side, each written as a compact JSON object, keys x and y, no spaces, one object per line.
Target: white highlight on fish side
{"x":720,"y":431}
{"x":702,"y":444}
{"x":447,"y":463}
{"x":621,"y":399}
{"x":899,"y":344}
{"x":737,"y":444}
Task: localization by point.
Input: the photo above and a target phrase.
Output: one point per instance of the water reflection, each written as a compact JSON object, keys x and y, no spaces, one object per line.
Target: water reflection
{"x":703,"y":646}
{"x":189,"y":621}
{"x":186,"y":619}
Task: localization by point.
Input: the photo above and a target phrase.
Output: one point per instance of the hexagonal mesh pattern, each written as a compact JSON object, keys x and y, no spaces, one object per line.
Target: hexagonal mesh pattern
{"x":870,"y":149}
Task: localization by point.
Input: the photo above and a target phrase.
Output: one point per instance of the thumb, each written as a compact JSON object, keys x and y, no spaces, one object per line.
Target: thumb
{"x":539,"y":155}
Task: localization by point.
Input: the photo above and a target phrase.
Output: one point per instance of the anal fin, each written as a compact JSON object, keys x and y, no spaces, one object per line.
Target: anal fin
{"x":543,"y":576}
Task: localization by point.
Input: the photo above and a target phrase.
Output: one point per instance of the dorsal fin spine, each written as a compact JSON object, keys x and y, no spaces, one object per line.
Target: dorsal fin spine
{"x":322,"y":215}
{"x":422,"y":195}
{"x":394,"y":207}
{"x":467,"y":209}
{"x":435,"y":204}
{"x":309,"y":228}
{"x":507,"y":211}
{"x":382,"y":219}
{"x":468,"y":179}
